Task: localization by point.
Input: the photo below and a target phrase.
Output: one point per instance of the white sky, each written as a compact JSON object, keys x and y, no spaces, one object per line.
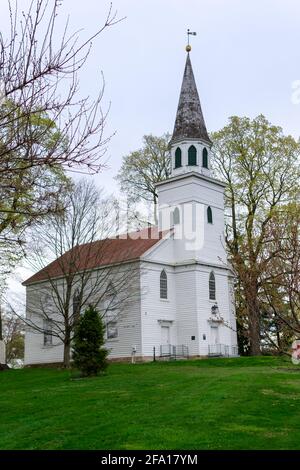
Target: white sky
{"x":245,"y":57}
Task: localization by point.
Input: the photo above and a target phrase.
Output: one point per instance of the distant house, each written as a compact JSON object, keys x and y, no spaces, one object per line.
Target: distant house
{"x":185,"y":301}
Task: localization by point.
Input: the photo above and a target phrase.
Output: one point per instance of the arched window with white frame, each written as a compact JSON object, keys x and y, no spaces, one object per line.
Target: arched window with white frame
{"x":212,"y":286}
{"x":163,"y":285}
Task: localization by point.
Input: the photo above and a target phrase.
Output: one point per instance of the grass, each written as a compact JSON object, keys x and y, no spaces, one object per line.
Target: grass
{"x":242,"y":403}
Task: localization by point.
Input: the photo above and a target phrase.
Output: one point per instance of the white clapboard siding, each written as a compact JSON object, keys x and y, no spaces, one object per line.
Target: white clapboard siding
{"x":155,"y":310}
{"x":187,"y":321}
{"x":128,"y":323}
{"x":186,"y":312}
{"x":205,"y":304}
{"x":35,"y":351}
{"x":129,"y":332}
{"x":193,"y":195}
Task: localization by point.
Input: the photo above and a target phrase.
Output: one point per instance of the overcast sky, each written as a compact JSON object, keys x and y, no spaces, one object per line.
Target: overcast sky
{"x":246,"y":57}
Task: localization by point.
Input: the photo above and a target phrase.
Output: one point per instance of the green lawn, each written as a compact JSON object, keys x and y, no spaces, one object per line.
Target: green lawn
{"x":243,"y":403}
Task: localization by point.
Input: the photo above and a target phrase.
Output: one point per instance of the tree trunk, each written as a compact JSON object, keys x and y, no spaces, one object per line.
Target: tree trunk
{"x":67,"y":354}
{"x":254,"y":318}
{"x":254,"y":331}
{"x":278,"y":337}
{"x":250,"y":288}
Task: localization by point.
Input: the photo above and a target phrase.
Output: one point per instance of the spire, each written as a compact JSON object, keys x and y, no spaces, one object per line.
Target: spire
{"x":189,"y":123}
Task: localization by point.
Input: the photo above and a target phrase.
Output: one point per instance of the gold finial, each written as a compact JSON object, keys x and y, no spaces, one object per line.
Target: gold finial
{"x":189,"y":33}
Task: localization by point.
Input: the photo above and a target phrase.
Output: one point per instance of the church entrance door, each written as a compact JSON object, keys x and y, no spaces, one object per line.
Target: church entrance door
{"x":165,"y":335}
{"x":214,"y":335}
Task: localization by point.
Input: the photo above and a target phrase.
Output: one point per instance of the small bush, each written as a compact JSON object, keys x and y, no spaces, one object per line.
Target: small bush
{"x":89,"y":354}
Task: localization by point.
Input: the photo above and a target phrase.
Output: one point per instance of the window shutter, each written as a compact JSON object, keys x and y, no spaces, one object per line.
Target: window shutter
{"x":209,"y":215}
{"x":178,"y":158}
{"x":205,"y":158}
{"x":192,"y":156}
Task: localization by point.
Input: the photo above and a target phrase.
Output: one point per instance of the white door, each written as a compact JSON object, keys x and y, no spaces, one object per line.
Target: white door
{"x":165,"y":335}
{"x":214,"y":335}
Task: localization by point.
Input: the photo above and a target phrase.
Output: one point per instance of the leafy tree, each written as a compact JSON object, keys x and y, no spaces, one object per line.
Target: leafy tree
{"x":280,"y":293}
{"x":15,"y":347}
{"x":261,"y":168}
{"x":143,"y":168}
{"x":89,"y":354}
{"x":28,"y":192}
{"x":12,"y":333}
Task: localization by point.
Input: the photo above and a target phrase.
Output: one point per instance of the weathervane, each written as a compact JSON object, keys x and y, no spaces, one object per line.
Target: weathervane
{"x":189,"y":33}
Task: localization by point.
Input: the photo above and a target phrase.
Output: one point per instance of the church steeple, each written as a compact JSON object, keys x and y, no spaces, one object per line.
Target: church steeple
{"x":190,"y":146}
{"x":189,"y":123}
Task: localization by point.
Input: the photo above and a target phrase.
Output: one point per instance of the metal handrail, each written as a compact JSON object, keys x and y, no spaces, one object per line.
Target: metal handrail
{"x":222,"y":350}
{"x":171,"y":350}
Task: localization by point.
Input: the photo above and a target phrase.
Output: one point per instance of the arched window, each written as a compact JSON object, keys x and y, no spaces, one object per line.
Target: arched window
{"x":176,"y":216}
{"x":163,"y":285}
{"x":209,"y":215}
{"x":192,"y":155}
{"x":212,"y":286}
{"x":205,"y":158}
{"x":178,"y":158}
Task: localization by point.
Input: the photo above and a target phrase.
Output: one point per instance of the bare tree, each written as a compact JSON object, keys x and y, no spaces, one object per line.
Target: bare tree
{"x":46,"y":126}
{"x":89,"y":267}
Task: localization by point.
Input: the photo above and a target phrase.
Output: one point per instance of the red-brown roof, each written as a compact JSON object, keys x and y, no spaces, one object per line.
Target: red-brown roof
{"x":92,"y":255}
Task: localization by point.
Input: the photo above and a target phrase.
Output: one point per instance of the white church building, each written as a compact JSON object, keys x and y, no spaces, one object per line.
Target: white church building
{"x":185,"y":305}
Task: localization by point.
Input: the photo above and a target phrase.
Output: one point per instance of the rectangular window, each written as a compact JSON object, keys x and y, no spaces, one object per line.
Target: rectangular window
{"x":163,"y":290}
{"x":112,"y":330}
{"x":48,"y":333}
{"x":212,"y":290}
{"x":212,"y":286}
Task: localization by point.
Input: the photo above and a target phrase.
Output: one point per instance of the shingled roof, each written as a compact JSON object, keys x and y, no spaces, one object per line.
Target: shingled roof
{"x":189,"y":123}
{"x":125,"y":248}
